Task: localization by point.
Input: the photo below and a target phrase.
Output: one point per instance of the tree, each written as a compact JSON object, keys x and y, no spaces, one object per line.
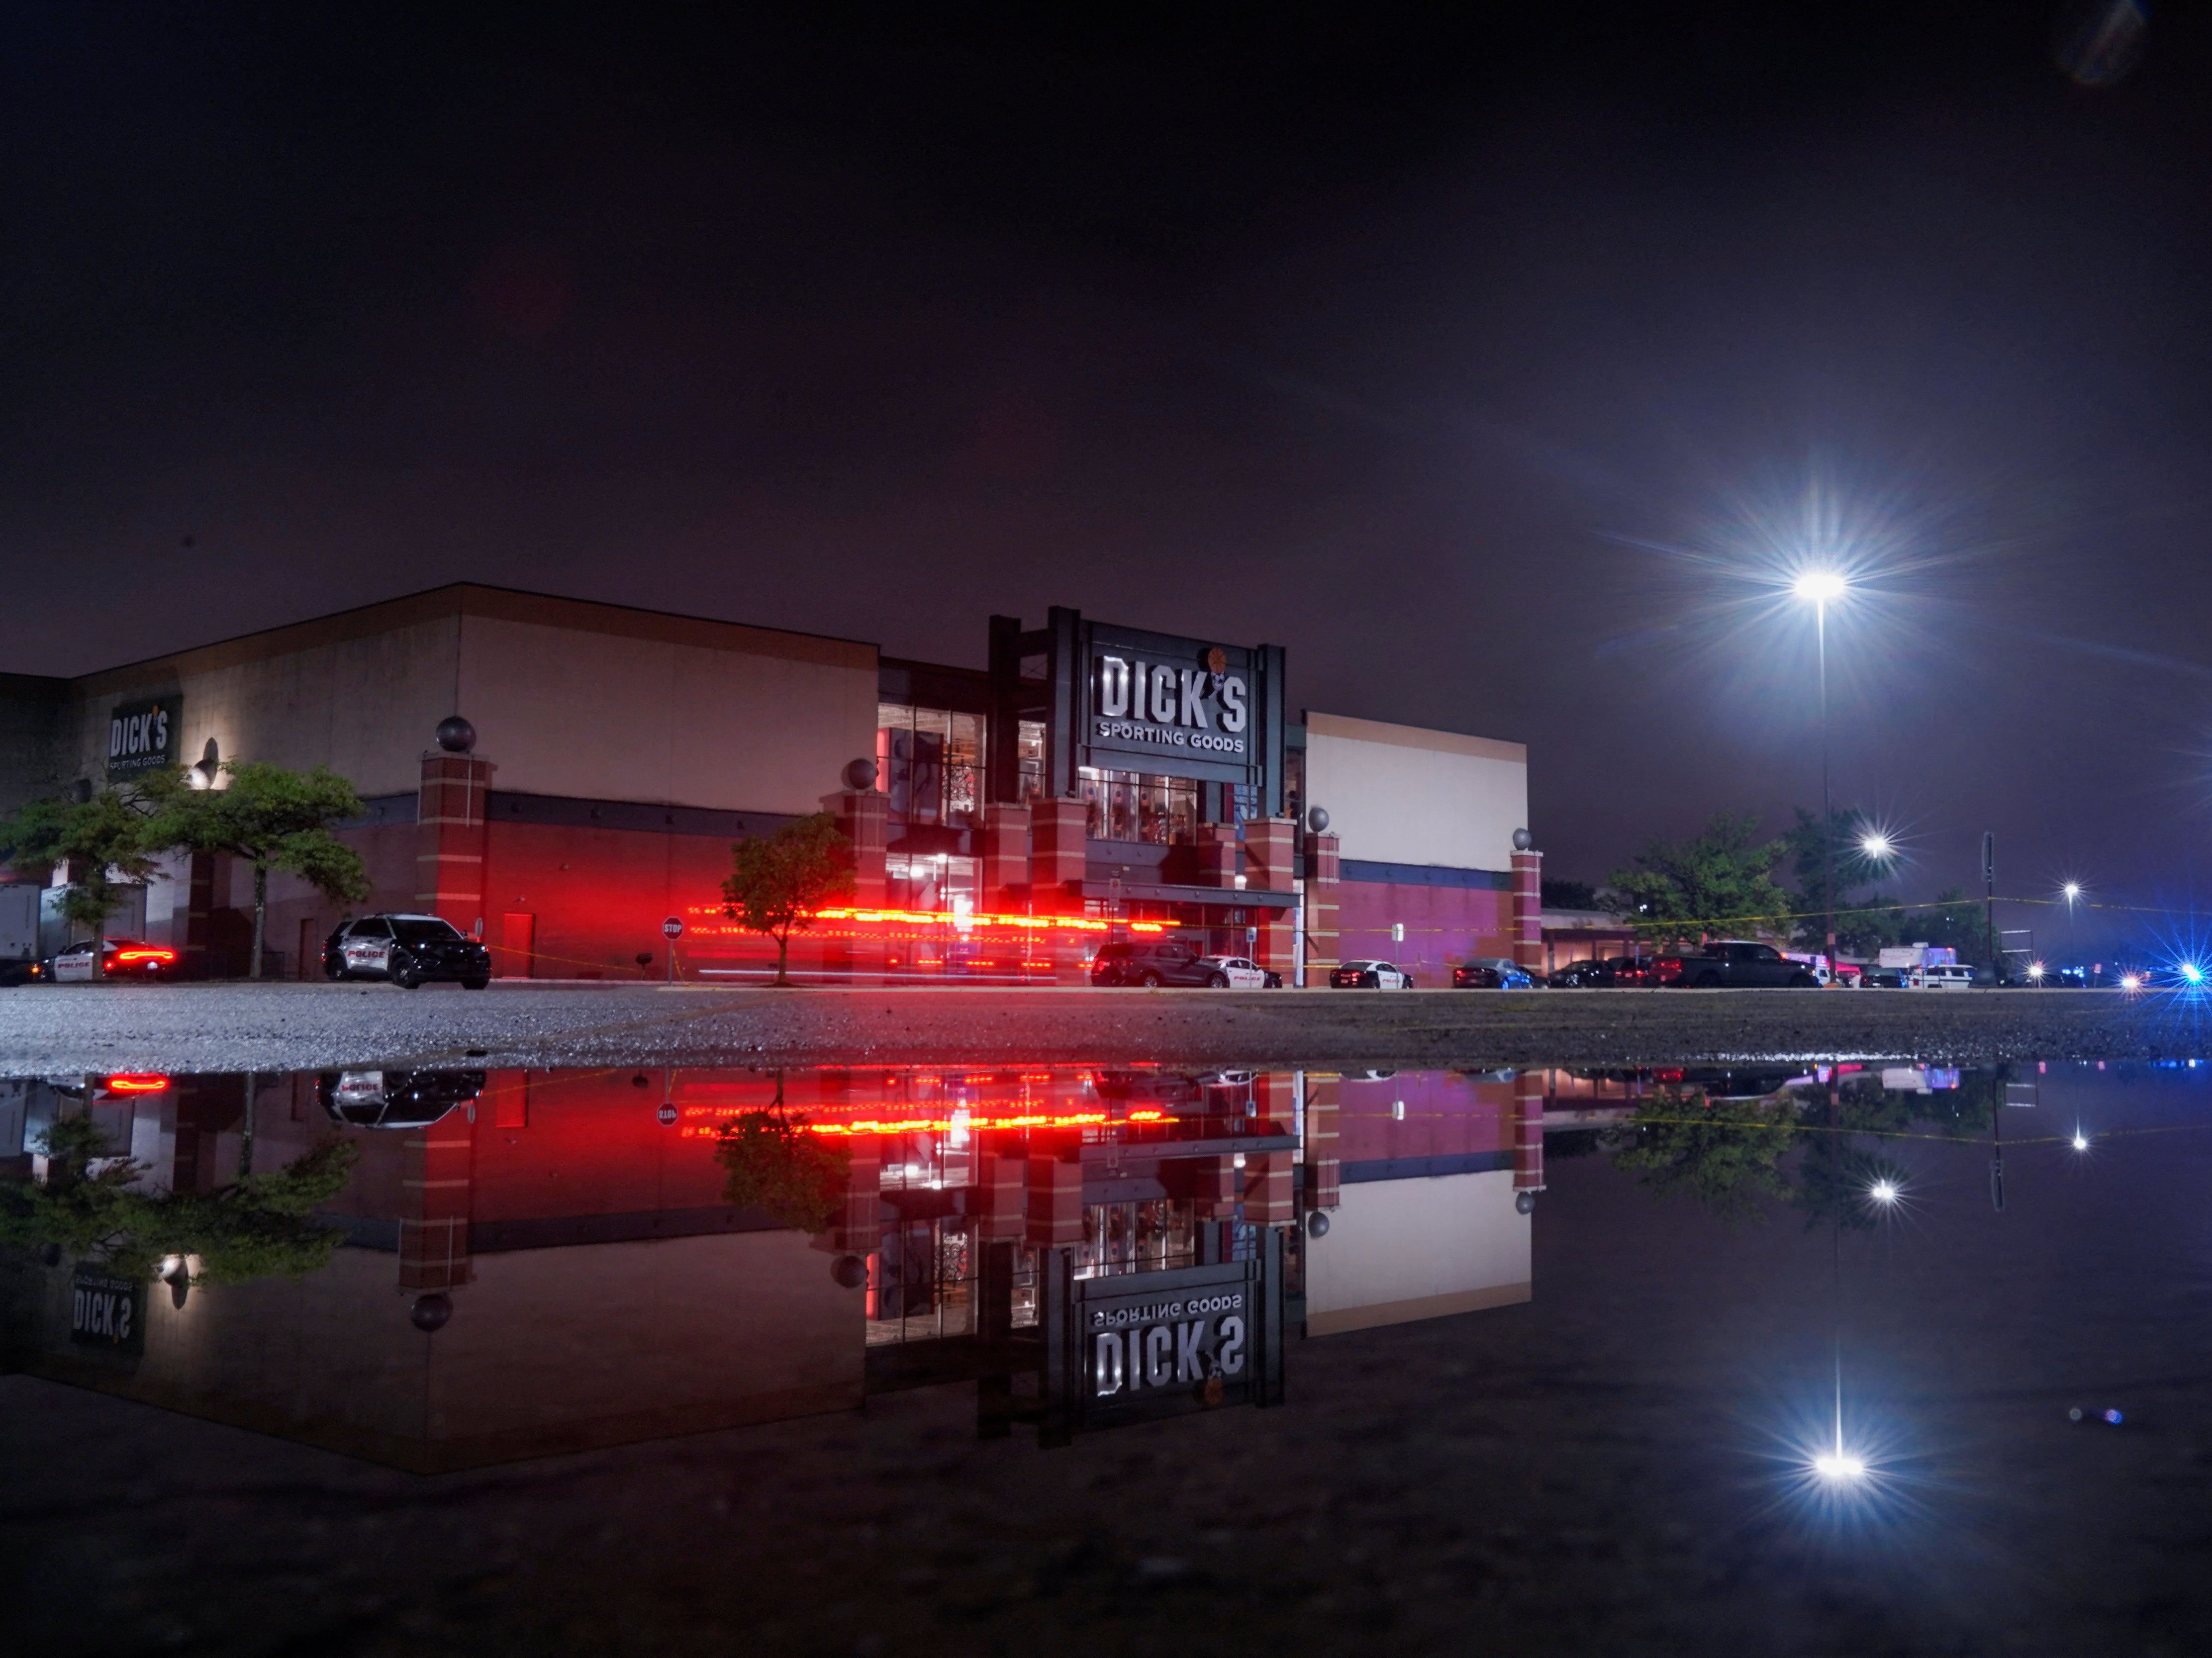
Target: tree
{"x":1725,"y":1154}
{"x":796,"y":1178}
{"x":256,"y":1225}
{"x":272,"y":817}
{"x":780,"y":880}
{"x":1716,"y":883}
{"x":1863,"y":923}
{"x":1568,"y":895}
{"x":103,"y":842}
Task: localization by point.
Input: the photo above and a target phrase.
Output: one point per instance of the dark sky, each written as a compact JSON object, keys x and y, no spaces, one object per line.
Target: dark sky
{"x":1487,"y":359}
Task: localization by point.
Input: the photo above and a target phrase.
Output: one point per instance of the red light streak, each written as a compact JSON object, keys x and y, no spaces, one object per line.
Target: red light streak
{"x":145,"y":1083}
{"x":941,"y":1125}
{"x":148,"y":955}
{"x":1148,"y":1116}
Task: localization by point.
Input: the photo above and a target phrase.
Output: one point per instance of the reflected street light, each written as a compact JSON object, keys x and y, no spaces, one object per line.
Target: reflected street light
{"x":1822,"y":588}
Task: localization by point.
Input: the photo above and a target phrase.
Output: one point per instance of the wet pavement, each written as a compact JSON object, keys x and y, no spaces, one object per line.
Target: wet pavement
{"x":1760,"y":1357}
{"x":227,"y":1026}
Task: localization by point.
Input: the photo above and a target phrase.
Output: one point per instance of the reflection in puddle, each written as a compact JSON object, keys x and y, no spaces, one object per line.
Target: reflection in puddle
{"x":442,"y":1268}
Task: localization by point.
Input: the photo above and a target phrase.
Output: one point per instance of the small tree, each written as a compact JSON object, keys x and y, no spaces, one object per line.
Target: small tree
{"x":780,"y":880}
{"x":273,"y":818}
{"x":1720,"y":880}
{"x":796,"y":1178}
{"x":103,"y":842}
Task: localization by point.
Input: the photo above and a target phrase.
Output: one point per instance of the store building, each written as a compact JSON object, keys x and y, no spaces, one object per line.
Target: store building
{"x":1091,"y":778}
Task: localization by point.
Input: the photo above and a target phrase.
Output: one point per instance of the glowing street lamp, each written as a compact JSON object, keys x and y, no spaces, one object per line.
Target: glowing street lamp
{"x":1839,"y":1466}
{"x":1822,"y":588}
{"x":1884,"y":1192}
{"x":1876,"y":846}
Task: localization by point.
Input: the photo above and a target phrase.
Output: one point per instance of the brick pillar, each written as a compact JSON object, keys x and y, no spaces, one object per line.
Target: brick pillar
{"x":1528,"y":910}
{"x":1055,"y":1202}
{"x":1057,"y":854}
{"x":1324,"y":872}
{"x":1005,"y":854}
{"x":1319,"y":1148}
{"x":199,"y":910}
{"x":438,"y":1177}
{"x":449,"y":838}
{"x":1217,"y":854}
{"x":1002,"y":1195}
{"x":1268,"y":868}
{"x":859,"y":1229}
{"x":1528,"y":1131}
{"x":863,"y":818}
{"x":1267,"y":1188}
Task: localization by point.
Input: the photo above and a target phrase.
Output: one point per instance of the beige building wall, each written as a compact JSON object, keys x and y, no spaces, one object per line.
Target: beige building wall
{"x":1399,"y":794}
{"x":1406,"y":1250}
{"x":568,"y":698}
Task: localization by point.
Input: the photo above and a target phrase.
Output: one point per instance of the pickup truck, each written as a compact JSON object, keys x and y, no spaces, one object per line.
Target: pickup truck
{"x":1734,"y":964}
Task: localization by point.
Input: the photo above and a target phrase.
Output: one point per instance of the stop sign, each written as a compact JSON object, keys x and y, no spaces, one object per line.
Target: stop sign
{"x":672,"y":927}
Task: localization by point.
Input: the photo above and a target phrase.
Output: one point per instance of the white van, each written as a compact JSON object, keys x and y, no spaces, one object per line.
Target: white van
{"x":1950,"y":975}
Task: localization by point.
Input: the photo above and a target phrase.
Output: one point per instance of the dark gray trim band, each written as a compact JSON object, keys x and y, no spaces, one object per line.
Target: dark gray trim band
{"x":1425,"y":875}
{"x":1461,"y":1163}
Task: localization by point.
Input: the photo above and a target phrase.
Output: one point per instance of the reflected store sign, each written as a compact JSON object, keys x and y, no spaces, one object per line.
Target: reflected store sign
{"x":1200,"y":707}
{"x":143,"y":736}
{"x":107,"y":1310}
{"x":1137,"y":1346}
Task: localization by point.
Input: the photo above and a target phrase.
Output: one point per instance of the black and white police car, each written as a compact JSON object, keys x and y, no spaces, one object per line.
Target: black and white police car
{"x":408,"y":950}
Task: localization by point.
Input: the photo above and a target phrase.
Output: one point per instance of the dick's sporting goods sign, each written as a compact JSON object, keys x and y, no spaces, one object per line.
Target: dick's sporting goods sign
{"x":1141,"y":1345}
{"x":1153,"y":702}
{"x":144,"y":735}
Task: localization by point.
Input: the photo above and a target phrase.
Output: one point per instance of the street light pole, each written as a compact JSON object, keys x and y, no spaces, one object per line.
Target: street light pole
{"x":1828,"y":808}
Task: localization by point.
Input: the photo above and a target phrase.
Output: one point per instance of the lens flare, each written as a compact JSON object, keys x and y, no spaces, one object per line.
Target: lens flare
{"x":1839,"y":1466}
{"x":1885,"y":1191}
{"x":1819,"y":586}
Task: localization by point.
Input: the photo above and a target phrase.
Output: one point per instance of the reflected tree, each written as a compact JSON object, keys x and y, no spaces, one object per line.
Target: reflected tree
{"x":796,"y":1178}
{"x":1724,"y":1154}
{"x":258,"y":1226}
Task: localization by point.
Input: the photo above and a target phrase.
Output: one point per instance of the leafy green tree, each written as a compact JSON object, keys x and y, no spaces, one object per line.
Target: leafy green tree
{"x":257,"y":1226}
{"x":1866,"y":919}
{"x":1568,"y":895}
{"x":1724,"y":1154}
{"x":272,"y":817}
{"x":796,"y":1178}
{"x":780,"y":880}
{"x":1716,"y":884}
{"x":103,"y":840}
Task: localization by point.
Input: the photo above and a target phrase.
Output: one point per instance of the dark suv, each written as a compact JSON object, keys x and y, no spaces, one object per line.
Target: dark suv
{"x":1734,"y":961}
{"x":1151,"y":961}
{"x":409,"y":951}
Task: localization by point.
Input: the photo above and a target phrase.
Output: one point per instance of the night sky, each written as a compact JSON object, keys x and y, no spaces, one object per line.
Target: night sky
{"x":1497,"y":364}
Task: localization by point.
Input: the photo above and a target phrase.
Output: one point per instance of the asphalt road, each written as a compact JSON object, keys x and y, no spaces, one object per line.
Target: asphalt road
{"x":60,"y":1030}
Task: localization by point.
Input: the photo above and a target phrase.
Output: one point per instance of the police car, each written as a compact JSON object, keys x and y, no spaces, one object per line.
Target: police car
{"x":1240,"y":974}
{"x":408,"y":950}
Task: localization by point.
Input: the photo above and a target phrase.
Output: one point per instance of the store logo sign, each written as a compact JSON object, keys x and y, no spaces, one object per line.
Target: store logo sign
{"x":144,"y":735}
{"x":1204,"y":708}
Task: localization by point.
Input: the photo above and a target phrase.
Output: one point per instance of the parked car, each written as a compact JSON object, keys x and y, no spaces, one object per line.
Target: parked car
{"x":1492,"y":972}
{"x":120,"y":958}
{"x":1583,"y":976}
{"x":1636,"y":970}
{"x":1241,"y":973}
{"x":1369,"y":975}
{"x":1882,"y":978}
{"x":408,"y":950}
{"x":1734,"y":964}
{"x":1155,"y":962}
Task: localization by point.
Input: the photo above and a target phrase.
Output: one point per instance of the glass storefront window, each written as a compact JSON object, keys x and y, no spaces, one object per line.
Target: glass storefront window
{"x":935,"y":883}
{"x":1128,"y":805}
{"x":930,"y":762}
{"x":1029,"y":744}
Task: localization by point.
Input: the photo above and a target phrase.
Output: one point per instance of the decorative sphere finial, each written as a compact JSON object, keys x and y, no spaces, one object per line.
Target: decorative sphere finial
{"x":859,"y":774}
{"x":456,"y":735}
{"x":1522,"y":840}
{"x":1317,"y":819}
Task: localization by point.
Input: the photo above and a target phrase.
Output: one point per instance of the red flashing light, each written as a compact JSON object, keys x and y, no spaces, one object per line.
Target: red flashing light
{"x":941,"y":1125}
{"x":149,"y":1082}
{"x":146,"y":953}
{"x":1148,"y":1116}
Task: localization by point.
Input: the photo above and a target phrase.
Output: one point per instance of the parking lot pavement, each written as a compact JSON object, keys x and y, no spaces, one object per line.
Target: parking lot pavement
{"x":59,"y":1029}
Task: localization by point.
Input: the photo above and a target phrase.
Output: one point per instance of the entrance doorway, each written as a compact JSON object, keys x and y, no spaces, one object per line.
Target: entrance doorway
{"x":518,"y":943}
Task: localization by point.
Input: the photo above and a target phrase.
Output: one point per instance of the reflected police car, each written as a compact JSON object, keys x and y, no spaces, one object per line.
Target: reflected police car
{"x":1369,"y":975}
{"x":407,"y":950}
{"x":395,"y":1099}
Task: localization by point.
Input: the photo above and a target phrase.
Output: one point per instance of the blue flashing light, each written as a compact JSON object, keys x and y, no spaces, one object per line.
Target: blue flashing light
{"x":2193,"y":973}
